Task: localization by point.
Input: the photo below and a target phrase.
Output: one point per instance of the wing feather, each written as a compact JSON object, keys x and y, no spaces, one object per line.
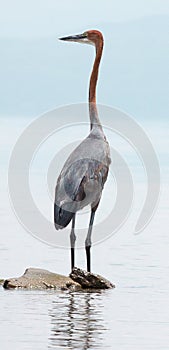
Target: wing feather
{"x":82,"y":179}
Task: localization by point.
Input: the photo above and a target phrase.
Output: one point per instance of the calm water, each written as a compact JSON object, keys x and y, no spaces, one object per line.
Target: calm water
{"x":132,"y":316}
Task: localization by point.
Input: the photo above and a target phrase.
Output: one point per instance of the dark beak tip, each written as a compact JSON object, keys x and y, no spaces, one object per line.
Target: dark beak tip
{"x":65,"y":38}
{"x":72,"y":37}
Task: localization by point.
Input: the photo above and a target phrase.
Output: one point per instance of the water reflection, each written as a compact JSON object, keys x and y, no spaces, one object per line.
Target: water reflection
{"x":77,"y":321}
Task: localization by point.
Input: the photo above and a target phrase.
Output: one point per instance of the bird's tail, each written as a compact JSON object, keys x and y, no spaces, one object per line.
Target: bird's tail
{"x":62,"y":217}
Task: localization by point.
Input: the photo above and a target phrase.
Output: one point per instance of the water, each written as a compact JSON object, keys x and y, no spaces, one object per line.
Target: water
{"x":134,"y":315}
{"x":125,"y":318}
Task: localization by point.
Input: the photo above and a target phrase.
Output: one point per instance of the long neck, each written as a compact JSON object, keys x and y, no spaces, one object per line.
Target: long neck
{"x":94,"y":119}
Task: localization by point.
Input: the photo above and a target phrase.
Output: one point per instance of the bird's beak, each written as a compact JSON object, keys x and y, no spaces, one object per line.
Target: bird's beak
{"x":77,"y":38}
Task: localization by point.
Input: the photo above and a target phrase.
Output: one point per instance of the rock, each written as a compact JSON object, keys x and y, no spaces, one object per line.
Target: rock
{"x":90,"y":280}
{"x":42,"y":279}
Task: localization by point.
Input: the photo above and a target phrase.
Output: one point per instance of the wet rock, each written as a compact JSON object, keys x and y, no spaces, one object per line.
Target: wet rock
{"x":90,"y":280}
{"x":42,"y":279}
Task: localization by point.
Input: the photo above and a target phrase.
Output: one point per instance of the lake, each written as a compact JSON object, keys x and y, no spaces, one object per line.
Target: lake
{"x":134,"y":315}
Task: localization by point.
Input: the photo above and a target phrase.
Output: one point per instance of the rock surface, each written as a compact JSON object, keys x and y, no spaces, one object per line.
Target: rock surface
{"x":42,"y":279}
{"x":39,"y":279}
{"x":90,"y":280}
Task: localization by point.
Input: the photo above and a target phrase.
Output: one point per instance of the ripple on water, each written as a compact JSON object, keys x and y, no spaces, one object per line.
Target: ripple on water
{"x":77,"y":321}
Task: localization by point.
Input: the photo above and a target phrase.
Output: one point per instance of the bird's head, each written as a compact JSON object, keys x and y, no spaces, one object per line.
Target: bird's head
{"x":89,"y":37}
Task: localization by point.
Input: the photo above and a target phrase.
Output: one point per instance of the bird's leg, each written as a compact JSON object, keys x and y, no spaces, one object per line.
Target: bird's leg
{"x":88,"y":240}
{"x":72,"y":242}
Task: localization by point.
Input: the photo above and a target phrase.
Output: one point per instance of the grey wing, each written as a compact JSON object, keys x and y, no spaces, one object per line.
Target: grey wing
{"x":81,"y":180}
{"x":85,"y":180}
{"x":68,"y":183}
{"x":81,"y":184}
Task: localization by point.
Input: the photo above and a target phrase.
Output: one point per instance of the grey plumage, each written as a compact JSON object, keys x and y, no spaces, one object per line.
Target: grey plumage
{"x":82,"y":178}
{"x":83,"y":175}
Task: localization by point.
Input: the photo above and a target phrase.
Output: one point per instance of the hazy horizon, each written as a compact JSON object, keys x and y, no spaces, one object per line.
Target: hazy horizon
{"x":36,"y":75}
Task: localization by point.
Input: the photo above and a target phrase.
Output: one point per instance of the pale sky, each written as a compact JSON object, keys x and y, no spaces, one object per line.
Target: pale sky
{"x":46,"y":17}
{"x":35,"y":70}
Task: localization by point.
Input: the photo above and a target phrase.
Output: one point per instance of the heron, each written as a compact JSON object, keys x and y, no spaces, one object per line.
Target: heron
{"x":85,"y":172}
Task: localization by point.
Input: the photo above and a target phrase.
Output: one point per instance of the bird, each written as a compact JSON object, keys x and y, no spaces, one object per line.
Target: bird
{"x":85,"y":172}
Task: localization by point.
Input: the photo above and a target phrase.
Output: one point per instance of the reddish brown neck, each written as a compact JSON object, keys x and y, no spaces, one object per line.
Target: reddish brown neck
{"x":92,"y":88}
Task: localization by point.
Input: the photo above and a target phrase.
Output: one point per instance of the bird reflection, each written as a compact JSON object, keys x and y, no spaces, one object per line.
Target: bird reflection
{"x":77,"y":321}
